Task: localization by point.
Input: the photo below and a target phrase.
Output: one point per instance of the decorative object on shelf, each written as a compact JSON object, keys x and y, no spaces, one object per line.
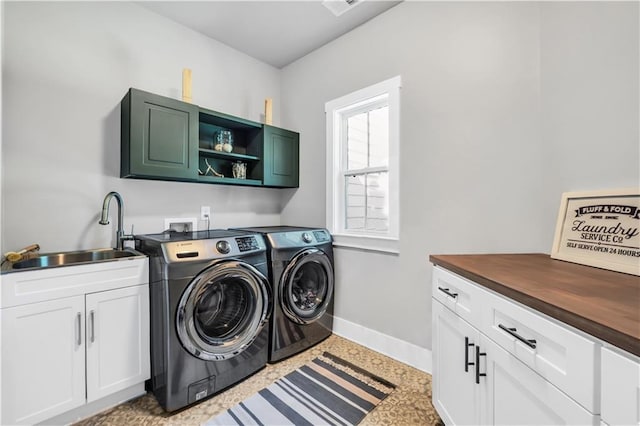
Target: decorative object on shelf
{"x":224,"y":141}
{"x":186,"y":85}
{"x":601,"y":229}
{"x":209,"y":170}
{"x":268,"y":111}
{"x":239,"y":170}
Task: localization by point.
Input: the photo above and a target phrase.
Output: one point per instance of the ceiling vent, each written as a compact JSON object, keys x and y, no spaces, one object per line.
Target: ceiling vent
{"x":338,"y":7}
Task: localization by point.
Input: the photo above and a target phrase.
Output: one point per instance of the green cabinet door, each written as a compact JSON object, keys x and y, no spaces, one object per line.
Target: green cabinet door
{"x":159,"y":137}
{"x":281,"y":157}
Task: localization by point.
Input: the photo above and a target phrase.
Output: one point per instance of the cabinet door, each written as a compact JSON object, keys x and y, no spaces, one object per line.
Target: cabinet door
{"x":159,"y":137}
{"x":620,"y":388}
{"x":281,"y":157}
{"x":513,"y":394}
{"x":117,"y":340}
{"x":43,"y":360}
{"x":455,"y":394}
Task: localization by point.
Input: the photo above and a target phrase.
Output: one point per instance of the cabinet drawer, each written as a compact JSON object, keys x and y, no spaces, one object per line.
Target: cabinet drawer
{"x":620,"y":388}
{"x":556,"y":352}
{"x":456,"y":293}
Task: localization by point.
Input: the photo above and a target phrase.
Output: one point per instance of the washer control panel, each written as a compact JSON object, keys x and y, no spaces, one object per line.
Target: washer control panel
{"x":209,"y":249}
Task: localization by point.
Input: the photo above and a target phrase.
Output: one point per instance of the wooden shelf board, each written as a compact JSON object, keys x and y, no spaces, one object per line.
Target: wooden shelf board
{"x":230,"y":180}
{"x":227,"y":155}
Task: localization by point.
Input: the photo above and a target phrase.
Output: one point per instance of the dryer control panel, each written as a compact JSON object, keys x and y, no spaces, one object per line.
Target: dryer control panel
{"x":291,"y":239}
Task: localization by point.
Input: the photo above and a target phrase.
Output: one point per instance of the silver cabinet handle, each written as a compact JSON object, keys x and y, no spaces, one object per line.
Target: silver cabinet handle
{"x":79,"y":329}
{"x":93,"y":326}
{"x":448,"y":292}
{"x":513,"y":332}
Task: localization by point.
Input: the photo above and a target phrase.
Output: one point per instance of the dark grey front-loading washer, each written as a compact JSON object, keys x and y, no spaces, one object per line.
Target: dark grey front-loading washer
{"x":302,"y":279}
{"x":210,"y":305}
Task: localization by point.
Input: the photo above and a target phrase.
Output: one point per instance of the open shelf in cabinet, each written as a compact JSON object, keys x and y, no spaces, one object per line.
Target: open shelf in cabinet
{"x":247,"y":147}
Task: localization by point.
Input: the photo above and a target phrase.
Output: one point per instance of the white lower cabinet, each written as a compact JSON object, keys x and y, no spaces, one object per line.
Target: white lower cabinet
{"x":455,"y":395}
{"x":43,"y":360}
{"x":477,"y":381}
{"x":117,"y":340}
{"x":69,"y":357}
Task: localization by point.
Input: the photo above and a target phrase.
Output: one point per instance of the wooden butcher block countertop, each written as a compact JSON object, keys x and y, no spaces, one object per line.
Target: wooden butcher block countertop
{"x":602,"y":303}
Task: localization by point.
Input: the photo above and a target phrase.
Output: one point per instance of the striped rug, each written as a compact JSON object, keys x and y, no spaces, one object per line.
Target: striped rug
{"x":326,"y":391}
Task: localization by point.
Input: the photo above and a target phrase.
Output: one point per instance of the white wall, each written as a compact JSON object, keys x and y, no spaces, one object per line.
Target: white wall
{"x":483,"y":159}
{"x":66,"y":66}
{"x":590,"y":86}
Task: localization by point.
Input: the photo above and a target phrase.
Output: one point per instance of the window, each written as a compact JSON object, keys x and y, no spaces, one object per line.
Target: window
{"x":362,"y":167}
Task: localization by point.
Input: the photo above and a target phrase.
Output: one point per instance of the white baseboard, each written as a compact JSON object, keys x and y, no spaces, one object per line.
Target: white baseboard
{"x":95,"y":407}
{"x":392,"y":347}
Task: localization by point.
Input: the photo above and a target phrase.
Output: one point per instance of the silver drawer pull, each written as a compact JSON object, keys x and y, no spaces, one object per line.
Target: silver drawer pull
{"x":93,"y":326}
{"x":513,"y":332}
{"x":79,"y":329}
{"x":448,"y":292}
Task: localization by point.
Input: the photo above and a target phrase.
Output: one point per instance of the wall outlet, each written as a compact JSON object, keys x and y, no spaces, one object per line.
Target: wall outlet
{"x":205,"y":213}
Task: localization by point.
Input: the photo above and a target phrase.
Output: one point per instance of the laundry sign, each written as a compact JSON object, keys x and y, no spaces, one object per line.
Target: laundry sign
{"x":600,"y":229}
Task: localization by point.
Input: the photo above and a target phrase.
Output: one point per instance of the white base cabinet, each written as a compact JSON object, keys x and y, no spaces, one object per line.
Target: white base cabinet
{"x":477,"y":381}
{"x":117,"y":340}
{"x":455,"y":395}
{"x":62,"y":354}
{"x":43,"y":362}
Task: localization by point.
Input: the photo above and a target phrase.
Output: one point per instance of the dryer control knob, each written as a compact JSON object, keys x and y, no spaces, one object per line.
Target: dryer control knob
{"x":306,"y":237}
{"x":223,"y":247}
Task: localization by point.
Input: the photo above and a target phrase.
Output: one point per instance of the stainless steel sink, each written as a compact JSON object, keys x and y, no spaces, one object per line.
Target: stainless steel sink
{"x":48,"y":260}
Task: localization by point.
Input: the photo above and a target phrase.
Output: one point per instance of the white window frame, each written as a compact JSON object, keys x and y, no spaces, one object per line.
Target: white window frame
{"x":335,"y":111}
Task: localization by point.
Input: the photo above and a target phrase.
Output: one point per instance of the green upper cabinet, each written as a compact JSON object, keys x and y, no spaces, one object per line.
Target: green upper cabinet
{"x":166,"y":139}
{"x":281,"y":157}
{"x":159,"y":137}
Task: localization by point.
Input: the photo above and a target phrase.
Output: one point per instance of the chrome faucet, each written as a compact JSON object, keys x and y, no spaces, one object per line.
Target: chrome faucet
{"x":104,"y":219}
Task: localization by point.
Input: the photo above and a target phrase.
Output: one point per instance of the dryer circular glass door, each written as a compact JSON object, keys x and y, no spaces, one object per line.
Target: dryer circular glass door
{"x":222,"y":310}
{"x":306,"y":286}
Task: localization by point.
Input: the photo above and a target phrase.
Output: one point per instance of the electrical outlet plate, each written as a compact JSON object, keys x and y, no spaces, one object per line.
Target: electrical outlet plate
{"x":181,"y":224}
{"x":205,"y":213}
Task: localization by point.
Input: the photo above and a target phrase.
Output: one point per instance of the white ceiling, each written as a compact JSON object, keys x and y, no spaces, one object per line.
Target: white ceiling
{"x":275,"y":32}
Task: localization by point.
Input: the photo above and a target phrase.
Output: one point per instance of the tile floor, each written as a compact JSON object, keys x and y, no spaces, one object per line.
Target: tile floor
{"x":409,"y":404}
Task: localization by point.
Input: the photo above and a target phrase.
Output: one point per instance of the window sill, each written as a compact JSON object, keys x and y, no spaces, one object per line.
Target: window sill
{"x":369,"y":243}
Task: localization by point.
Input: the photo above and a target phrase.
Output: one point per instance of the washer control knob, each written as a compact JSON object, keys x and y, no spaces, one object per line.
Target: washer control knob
{"x":223,"y":246}
{"x":306,"y":237}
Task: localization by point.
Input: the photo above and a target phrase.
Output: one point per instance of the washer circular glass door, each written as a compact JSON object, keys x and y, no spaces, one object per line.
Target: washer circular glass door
{"x":222,"y":310}
{"x":306,"y":286}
